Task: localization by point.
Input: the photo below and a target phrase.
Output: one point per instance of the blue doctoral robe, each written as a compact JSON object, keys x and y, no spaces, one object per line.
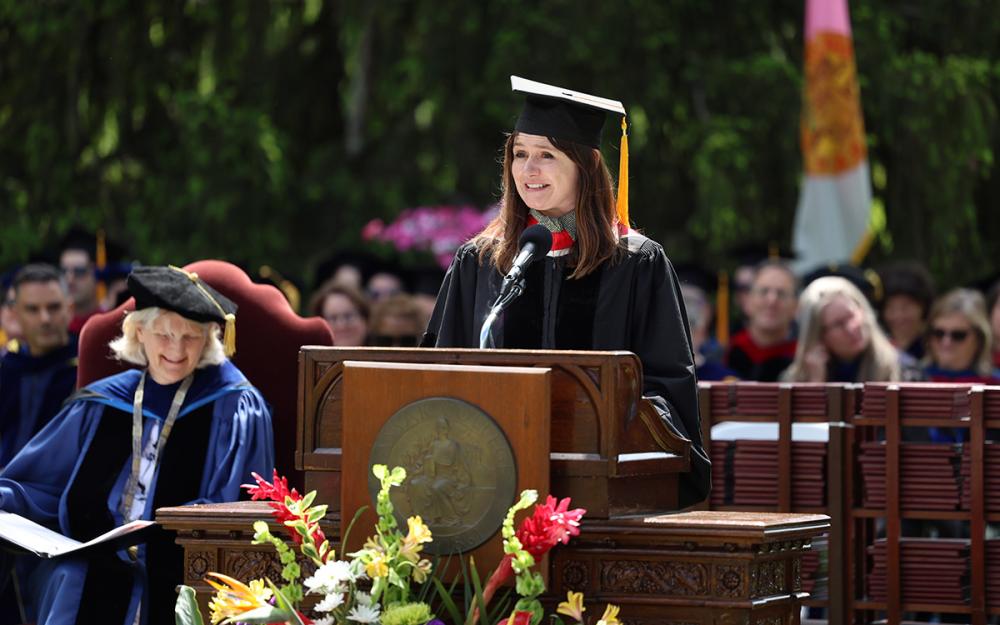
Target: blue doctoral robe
{"x":32,"y":390}
{"x":71,"y":476}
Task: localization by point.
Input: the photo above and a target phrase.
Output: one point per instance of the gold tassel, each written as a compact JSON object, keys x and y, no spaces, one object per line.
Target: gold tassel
{"x":101,"y":260}
{"x":229,"y":336}
{"x":722,"y":310}
{"x":622,"y":203}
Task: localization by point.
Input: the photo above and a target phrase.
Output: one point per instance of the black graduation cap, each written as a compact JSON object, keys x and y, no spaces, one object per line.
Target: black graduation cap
{"x":186,"y":294}
{"x":552,"y":111}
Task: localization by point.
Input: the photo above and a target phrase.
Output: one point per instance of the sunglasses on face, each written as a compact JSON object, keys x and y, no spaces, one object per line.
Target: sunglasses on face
{"x":956,"y":336}
{"x":76,"y":272}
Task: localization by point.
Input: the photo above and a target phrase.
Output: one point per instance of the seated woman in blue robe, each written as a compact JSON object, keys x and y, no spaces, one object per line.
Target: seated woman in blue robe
{"x":187,"y":428}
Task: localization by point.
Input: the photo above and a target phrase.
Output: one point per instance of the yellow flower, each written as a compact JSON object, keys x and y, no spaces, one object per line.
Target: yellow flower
{"x":419,"y":533}
{"x":610,"y":616}
{"x":421,"y":571}
{"x":233,"y":597}
{"x":377,"y":567}
{"x":573,"y":606}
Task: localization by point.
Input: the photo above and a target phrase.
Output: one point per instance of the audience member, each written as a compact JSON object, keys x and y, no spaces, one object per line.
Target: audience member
{"x":385,"y":282}
{"x":76,"y":261}
{"x":699,"y":314}
{"x":960,"y":339}
{"x":41,"y":374}
{"x":345,"y":309}
{"x":10,"y":329}
{"x":397,"y":321}
{"x":426,"y":282}
{"x":840,"y":339}
{"x":908,"y":292}
{"x":766,"y":346}
{"x":993,"y":301}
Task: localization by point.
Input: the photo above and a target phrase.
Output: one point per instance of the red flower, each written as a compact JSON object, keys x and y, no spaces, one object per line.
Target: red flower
{"x":521,"y":617}
{"x":550,"y":525}
{"x":276,"y":492}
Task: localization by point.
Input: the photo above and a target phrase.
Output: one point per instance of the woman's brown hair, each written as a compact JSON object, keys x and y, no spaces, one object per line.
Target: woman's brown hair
{"x":596,"y":235}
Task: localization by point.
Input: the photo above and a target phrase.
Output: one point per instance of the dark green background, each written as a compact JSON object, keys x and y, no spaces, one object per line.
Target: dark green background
{"x":272,"y":131}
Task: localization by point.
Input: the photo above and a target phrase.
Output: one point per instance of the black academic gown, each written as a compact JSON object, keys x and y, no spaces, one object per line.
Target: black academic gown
{"x":632,"y":302}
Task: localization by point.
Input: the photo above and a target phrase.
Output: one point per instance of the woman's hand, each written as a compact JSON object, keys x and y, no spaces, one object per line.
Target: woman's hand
{"x":816,"y":360}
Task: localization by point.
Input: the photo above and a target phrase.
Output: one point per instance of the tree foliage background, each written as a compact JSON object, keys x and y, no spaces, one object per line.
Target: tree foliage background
{"x":272,"y":131}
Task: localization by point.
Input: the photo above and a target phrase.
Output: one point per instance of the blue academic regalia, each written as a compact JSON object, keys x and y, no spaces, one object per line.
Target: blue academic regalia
{"x":32,"y":390}
{"x":72,"y":474}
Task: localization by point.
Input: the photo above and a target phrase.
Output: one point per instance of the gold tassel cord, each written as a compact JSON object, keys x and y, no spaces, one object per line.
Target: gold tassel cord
{"x":101,"y":261}
{"x":229,"y":334}
{"x":722,"y":309}
{"x":622,"y":203}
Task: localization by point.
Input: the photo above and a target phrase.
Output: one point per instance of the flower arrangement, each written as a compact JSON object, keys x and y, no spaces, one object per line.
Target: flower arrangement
{"x":439,"y":230}
{"x":387,"y":581}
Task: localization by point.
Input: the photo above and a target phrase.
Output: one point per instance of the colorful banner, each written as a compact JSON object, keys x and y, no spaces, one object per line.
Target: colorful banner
{"x":832,"y":219}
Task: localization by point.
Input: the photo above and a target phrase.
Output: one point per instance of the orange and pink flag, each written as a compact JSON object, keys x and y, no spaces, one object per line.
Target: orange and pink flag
{"x":832,"y":219}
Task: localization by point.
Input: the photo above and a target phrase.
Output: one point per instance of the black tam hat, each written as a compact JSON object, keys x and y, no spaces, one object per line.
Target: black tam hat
{"x":552,"y":111}
{"x":184,"y":293}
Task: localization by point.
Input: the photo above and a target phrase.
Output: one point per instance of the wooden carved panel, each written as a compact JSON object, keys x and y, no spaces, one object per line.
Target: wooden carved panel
{"x":576,"y":575}
{"x":248,"y":565}
{"x":197,"y":563}
{"x":730,"y":580}
{"x":767,"y":578}
{"x":682,"y":579}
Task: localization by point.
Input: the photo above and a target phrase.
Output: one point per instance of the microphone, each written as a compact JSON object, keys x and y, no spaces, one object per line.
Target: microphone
{"x":534,"y":244}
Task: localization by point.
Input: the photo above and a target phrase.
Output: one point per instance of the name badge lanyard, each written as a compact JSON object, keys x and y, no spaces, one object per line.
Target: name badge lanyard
{"x":175,"y":408}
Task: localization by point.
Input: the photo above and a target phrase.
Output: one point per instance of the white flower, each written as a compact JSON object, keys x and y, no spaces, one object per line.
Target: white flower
{"x":330,"y":602}
{"x":330,"y":578}
{"x":326,"y":620}
{"x":364,"y":613}
{"x":363,"y":598}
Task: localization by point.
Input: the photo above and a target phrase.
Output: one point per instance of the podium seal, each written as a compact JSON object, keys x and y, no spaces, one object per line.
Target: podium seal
{"x":460,"y":468}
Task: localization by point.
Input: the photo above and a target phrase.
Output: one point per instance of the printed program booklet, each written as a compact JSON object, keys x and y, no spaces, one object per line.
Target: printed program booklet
{"x":45,"y":543}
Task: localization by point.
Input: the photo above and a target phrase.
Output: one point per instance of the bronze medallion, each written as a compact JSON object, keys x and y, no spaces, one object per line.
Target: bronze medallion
{"x":460,"y":471}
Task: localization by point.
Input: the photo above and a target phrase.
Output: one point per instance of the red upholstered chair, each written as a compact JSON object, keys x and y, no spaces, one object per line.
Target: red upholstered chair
{"x":268,"y":337}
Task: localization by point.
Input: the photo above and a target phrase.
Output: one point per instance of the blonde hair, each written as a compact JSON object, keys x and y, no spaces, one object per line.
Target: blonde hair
{"x":128,"y":348}
{"x":970,"y":304}
{"x":879,"y":361}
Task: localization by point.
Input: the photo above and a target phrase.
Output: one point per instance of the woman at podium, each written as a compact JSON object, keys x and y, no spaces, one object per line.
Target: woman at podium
{"x":186,"y":428}
{"x":602,"y":286}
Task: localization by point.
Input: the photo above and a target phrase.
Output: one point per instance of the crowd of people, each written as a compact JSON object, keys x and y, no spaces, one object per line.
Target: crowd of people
{"x":842,"y":324}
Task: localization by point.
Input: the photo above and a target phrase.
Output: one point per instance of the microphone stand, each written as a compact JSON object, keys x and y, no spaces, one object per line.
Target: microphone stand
{"x":510,"y":291}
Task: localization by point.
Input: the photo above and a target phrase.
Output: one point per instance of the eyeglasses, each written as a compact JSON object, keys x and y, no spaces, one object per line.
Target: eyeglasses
{"x":764,"y":291}
{"x":347,"y":317}
{"x":956,"y":336}
{"x":76,"y":272}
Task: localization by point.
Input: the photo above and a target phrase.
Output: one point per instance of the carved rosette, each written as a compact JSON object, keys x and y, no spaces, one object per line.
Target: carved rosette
{"x":576,"y":575}
{"x":198,"y":564}
{"x":767,"y":578}
{"x":253,"y":564}
{"x":729,"y":580}
{"x":683,"y":579}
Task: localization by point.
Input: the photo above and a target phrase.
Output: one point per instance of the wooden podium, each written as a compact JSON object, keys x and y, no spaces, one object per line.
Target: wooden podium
{"x":579,"y":427}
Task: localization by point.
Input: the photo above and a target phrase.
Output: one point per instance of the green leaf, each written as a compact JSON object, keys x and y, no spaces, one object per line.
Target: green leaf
{"x":283,"y":603}
{"x":446,"y":600}
{"x":262,"y":616}
{"x":317,"y":513}
{"x":186,"y":610}
{"x":308,"y":499}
